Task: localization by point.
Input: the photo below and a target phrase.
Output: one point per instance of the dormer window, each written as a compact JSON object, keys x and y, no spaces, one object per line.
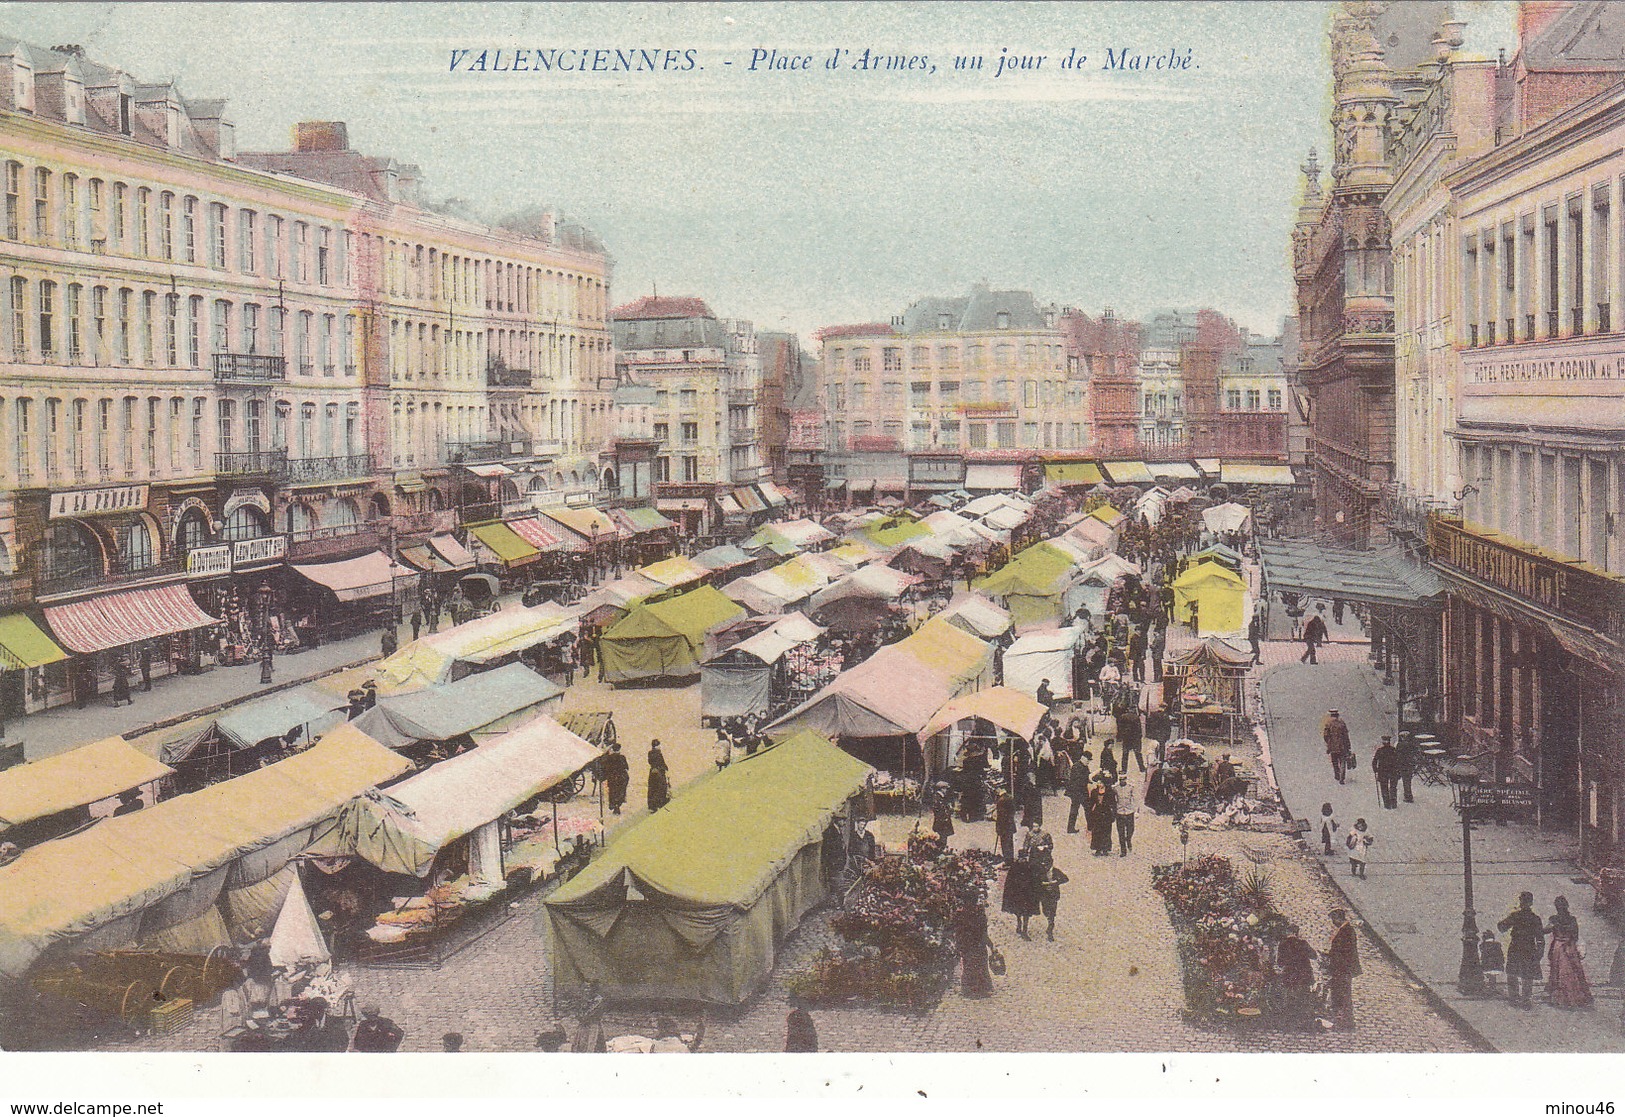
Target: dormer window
{"x":124,"y":113}
{"x":944,"y":322}
{"x":1002,"y":320}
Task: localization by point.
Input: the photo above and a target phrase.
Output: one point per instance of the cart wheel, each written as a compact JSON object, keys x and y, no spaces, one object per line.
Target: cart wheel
{"x":177,"y":982}
{"x":577,"y":784}
{"x":133,"y":1005}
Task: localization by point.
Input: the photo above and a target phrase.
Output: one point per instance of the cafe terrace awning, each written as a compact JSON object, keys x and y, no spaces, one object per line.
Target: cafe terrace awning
{"x":1380,"y":577}
{"x":984,"y":478}
{"x":540,"y":536}
{"x":23,"y":644}
{"x":120,"y":870}
{"x":504,"y":544}
{"x":1232,"y":474}
{"x":369,"y":575}
{"x":116,"y":619}
{"x":76,"y":778}
{"x":1073,"y":473}
{"x":452,"y":551}
{"x":401,"y":830}
{"x":1127,"y":473}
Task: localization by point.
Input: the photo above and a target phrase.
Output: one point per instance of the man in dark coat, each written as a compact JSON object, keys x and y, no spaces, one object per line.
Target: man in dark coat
{"x":1255,"y":636}
{"x":388,"y":643}
{"x":1129,"y":732}
{"x":1386,"y":766}
{"x":1294,"y":966}
{"x":1137,"y":645}
{"x":800,"y":1034}
{"x":1343,"y":966}
{"x":659,"y":777}
{"x":1335,"y":732}
{"x":1527,"y":935}
{"x":617,"y":775}
{"x":1044,"y":695}
{"x":376,"y":1033}
{"x":1077,"y":790}
{"x":1004,"y":826}
{"x":1314,"y":635}
{"x":1410,"y":760}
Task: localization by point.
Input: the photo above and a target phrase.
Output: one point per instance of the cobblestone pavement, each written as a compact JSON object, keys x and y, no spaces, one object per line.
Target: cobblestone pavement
{"x":1413,"y":893}
{"x":1109,"y":983}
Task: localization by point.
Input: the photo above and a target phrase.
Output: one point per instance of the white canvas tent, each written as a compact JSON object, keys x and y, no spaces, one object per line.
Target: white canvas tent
{"x":1229,"y":516}
{"x":1040,"y":655}
{"x":297,"y":939}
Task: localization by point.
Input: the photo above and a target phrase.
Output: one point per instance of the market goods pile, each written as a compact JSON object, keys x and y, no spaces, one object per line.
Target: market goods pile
{"x":897,"y":945}
{"x":1227,"y":935}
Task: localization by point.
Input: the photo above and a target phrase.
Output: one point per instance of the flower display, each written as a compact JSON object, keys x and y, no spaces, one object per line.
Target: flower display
{"x":1226,"y":943}
{"x":897,"y":944}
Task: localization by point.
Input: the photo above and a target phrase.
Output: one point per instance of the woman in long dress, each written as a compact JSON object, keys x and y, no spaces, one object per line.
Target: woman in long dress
{"x":1020,"y":897}
{"x":970,"y":932}
{"x":1566,"y":984}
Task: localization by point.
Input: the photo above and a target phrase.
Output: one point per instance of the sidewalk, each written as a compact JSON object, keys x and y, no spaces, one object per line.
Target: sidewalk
{"x":179,"y":696}
{"x":1413,"y":897}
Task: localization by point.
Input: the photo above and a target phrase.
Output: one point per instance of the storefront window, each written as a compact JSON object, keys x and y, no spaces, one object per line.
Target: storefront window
{"x":135,"y":550}
{"x":245,"y":523}
{"x":69,"y":552}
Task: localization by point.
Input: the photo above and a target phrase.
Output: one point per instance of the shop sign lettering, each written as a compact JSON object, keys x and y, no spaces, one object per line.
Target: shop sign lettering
{"x":97,"y":502}
{"x":208,"y":562}
{"x":270,"y":548}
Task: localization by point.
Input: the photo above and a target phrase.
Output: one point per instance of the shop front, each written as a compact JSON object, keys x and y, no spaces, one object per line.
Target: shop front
{"x":341,"y":599}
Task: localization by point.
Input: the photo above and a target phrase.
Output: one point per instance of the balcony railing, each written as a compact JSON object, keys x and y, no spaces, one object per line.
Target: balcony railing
{"x":53,"y":582}
{"x":331,"y":542}
{"x":484,"y":450}
{"x":742,"y":397}
{"x":498,"y":376}
{"x":249,"y":366}
{"x":252,"y":463}
{"x":426,"y":523}
{"x":304,"y":470}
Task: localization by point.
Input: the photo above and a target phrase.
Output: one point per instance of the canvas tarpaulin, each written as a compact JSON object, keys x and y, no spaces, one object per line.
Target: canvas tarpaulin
{"x":1226,"y":517}
{"x":505,"y":546}
{"x":692,"y":902}
{"x":1072,"y":473}
{"x":1008,"y":709}
{"x":1220,"y":595}
{"x":976,"y":615}
{"x":674,"y":572}
{"x":875,"y":581}
{"x":249,"y":724}
{"x":431,"y":660}
{"x":401,"y":830}
{"x":75,"y":778}
{"x":369,"y":575}
{"x":739,"y":681}
{"x":665,"y":639}
{"x":489,"y":701}
{"x":1237,"y":473}
{"x":800,"y":533}
{"x":1042,"y":655}
{"x":125,"y":865}
{"x":1034,"y":585}
{"x":723,"y":558}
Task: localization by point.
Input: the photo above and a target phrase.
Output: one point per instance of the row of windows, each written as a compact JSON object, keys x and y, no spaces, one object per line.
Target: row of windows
{"x":92,"y":215}
{"x":953,"y":434}
{"x":1048,"y":393}
{"x":415,"y":271}
{"x":425,"y":350}
{"x":947,"y":356}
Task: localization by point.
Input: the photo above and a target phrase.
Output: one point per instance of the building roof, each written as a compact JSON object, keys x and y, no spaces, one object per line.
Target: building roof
{"x":670,"y":306}
{"x":857,"y":329}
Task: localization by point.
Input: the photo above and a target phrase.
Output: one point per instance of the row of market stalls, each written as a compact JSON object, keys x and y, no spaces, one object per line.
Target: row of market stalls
{"x":1092,"y":473}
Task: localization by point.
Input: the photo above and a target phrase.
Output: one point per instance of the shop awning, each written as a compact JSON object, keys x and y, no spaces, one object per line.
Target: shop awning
{"x":1073,"y":473}
{"x":1180,"y":471}
{"x":1381,"y":577}
{"x":401,"y":830}
{"x":748,"y":500}
{"x":1127,"y":473}
{"x":418,"y":556}
{"x":23,"y":644}
{"x":249,"y":724}
{"x":1208,"y":466}
{"x":493,"y":469}
{"x":682,"y":504}
{"x":544,"y":537}
{"x":369,"y":575}
{"x":589,"y":523}
{"x":123,"y":618}
{"x":503,"y":543}
{"x":452,"y":551}
{"x":988,"y":478}
{"x":835,"y":483}
{"x":774,"y":495}
{"x":639,"y":521}
{"x":439,"y":713}
{"x":729,"y":506}
{"x":1237,"y":474}
{"x":75,"y":778}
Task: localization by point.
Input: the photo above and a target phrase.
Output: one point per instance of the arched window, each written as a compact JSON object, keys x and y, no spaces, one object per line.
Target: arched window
{"x":135,"y":546}
{"x":70,"y":551}
{"x":537,"y":485}
{"x":300,"y":518}
{"x":341,"y":513}
{"x":246,"y":522}
{"x":380,"y":506}
{"x":193,"y":531}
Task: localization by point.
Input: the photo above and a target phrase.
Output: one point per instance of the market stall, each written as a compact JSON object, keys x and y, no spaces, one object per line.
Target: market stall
{"x":726,"y":560}
{"x":241,"y":738}
{"x":803,"y":535}
{"x":472,"y":646}
{"x":1041,"y":655}
{"x":452,"y":714}
{"x":692,"y":902}
{"x":666,"y":639}
{"x":1206,"y":690}
{"x":48,"y":797}
{"x":1222,"y":519}
{"x":1219,"y":594}
{"x":1001,"y":707}
{"x":859,"y":601}
{"x":753,"y":676}
{"x":1036,"y":586}
{"x":977,"y":616}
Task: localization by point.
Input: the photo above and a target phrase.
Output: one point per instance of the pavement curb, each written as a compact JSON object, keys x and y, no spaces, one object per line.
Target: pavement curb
{"x":1438,"y":1003}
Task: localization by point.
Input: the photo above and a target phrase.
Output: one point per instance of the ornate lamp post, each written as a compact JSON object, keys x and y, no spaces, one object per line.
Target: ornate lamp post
{"x":1463,"y":776}
{"x":265,"y":634}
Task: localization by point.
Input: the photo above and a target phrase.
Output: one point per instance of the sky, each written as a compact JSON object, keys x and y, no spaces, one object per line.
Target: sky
{"x":804,"y":198}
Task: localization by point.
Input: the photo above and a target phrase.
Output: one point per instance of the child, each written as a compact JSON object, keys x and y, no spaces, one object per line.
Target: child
{"x":1359,"y":840}
{"x":1328,"y":827}
{"x":1493,"y":961}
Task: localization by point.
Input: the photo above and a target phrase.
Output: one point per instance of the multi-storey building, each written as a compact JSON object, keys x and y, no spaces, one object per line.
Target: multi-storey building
{"x":1162,"y":401}
{"x":214,"y":363}
{"x":781,"y":361}
{"x":1514,"y":256}
{"x":1343,"y":268}
{"x":1105,"y":352}
{"x":950,"y":378}
{"x":705,"y":373}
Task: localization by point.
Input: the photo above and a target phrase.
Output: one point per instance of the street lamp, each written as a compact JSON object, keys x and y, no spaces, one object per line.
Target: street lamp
{"x":265,"y":634}
{"x":1463,"y":775}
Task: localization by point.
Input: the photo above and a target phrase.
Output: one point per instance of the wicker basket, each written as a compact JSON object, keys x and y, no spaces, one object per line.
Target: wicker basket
{"x":171,"y":1016}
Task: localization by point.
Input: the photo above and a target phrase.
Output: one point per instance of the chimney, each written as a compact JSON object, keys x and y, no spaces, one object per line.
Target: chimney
{"x":897,"y":321}
{"x":1109,"y":314}
{"x":320,"y":135}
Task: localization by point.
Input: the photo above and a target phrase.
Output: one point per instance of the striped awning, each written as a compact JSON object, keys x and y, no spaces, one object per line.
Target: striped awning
{"x":534,"y":532}
{"x":116,"y":619}
{"x":22,"y":644}
{"x":748,"y":500}
{"x":453,"y":552}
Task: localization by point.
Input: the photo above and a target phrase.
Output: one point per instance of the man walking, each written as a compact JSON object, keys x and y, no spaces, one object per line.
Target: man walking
{"x":1128,"y":806}
{"x":1159,"y":645}
{"x":617,"y":775}
{"x":1314,"y":635}
{"x":1077,"y":790}
{"x":1527,"y":935}
{"x":1136,"y":654}
{"x":1386,"y":766}
{"x":1335,"y":732}
{"x":1255,"y":636}
{"x":1343,"y":966}
{"x":659,"y":777}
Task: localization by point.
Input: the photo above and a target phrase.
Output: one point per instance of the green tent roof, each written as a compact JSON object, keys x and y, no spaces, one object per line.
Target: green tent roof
{"x":894,"y":533}
{"x":690,"y":615}
{"x":726,"y":837}
{"x":1037,"y":569}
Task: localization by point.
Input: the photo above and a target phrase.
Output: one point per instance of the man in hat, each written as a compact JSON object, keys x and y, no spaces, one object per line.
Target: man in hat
{"x":1335,"y":732}
{"x":1386,"y":766}
{"x":1077,"y":789}
{"x":1526,"y":934}
{"x":1314,"y":635}
{"x":376,"y":1033}
{"x":617,"y":774}
{"x":1343,"y":966}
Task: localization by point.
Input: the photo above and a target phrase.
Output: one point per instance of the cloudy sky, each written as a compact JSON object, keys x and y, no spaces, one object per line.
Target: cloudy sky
{"x":806,"y":198}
